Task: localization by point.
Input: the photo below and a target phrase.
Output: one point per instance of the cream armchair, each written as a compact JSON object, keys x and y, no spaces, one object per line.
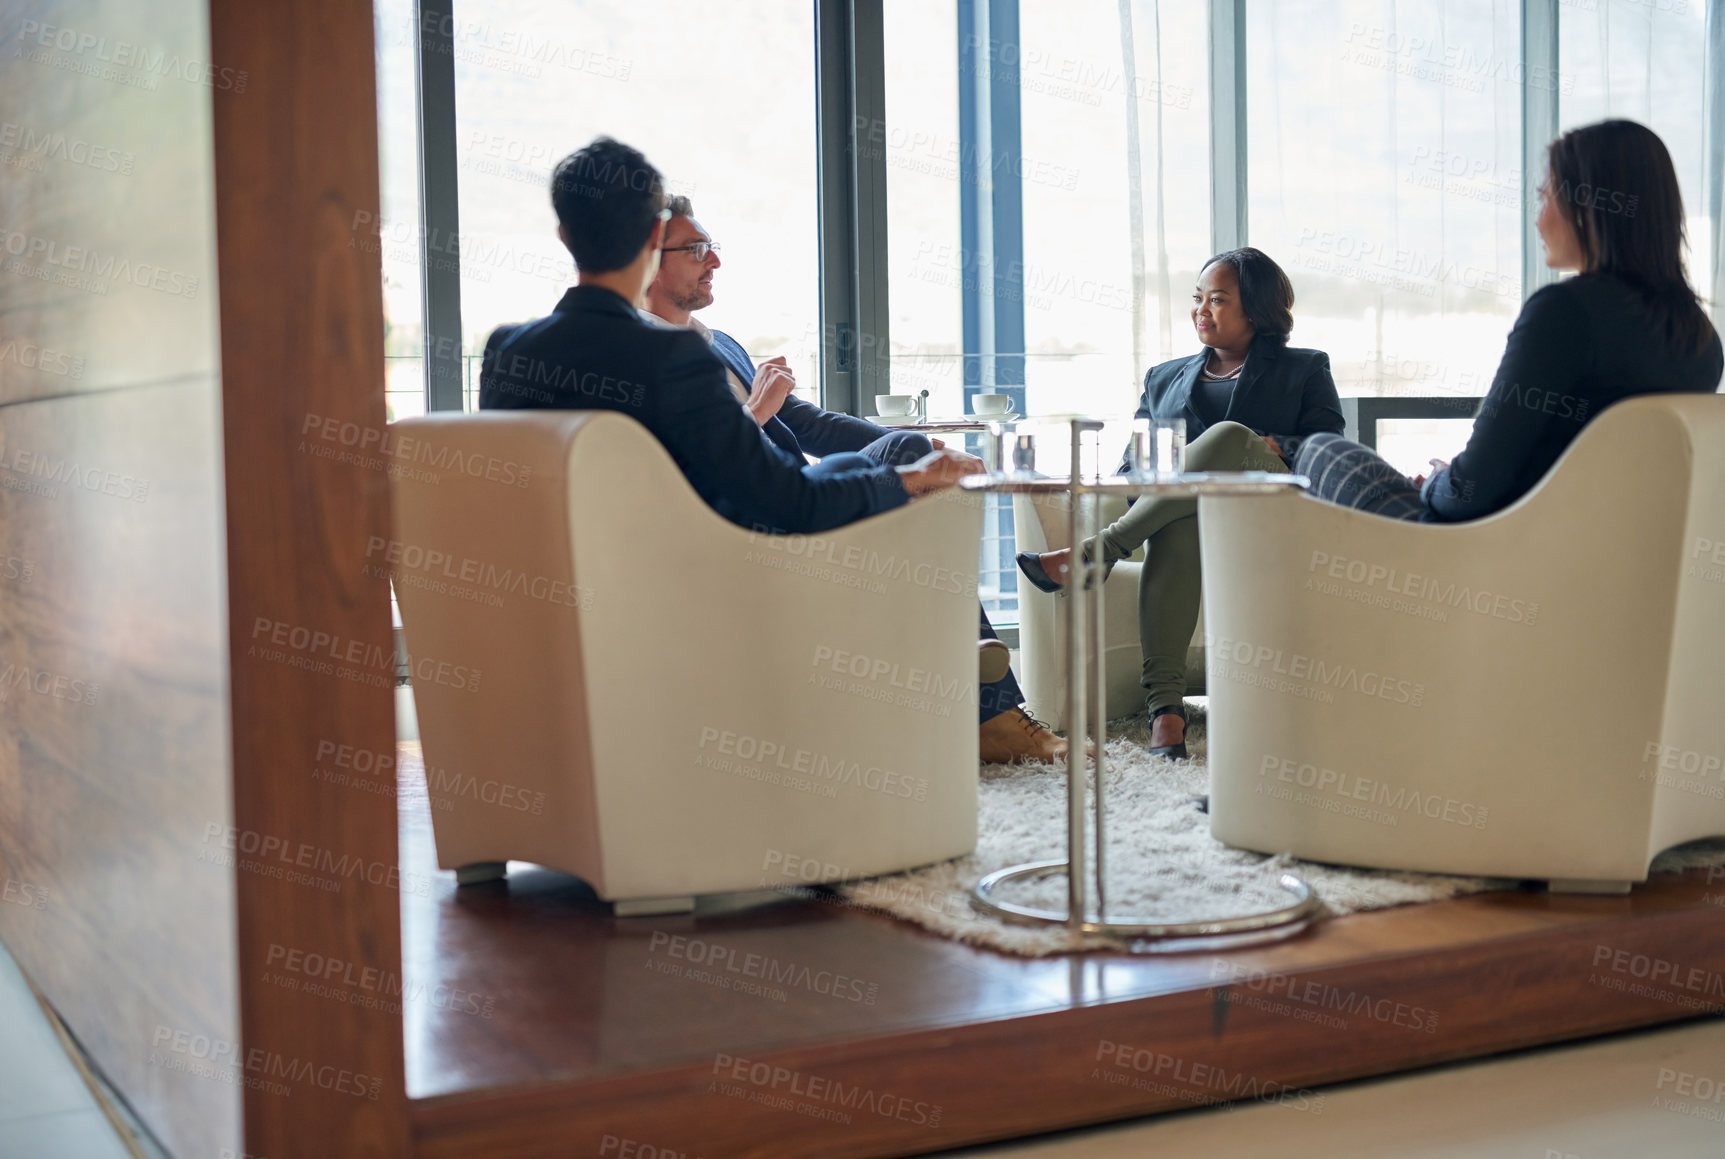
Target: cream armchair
{"x":613,"y":681}
{"x":1040,"y":523}
{"x":1538,"y":694}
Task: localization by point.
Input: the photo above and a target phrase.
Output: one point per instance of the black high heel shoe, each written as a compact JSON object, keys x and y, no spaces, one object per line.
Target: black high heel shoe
{"x":1174,"y":752}
{"x":1031,"y":565}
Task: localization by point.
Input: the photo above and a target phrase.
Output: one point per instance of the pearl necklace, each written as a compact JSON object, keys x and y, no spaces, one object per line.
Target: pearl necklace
{"x":1214,"y":377}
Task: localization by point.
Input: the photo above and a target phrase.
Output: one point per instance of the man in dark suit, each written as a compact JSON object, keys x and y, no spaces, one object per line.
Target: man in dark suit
{"x":596,"y":352}
{"x":684,"y":285}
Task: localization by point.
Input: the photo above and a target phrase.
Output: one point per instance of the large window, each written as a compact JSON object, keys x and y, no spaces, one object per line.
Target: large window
{"x":395,"y":227}
{"x":1391,"y":181}
{"x":1112,"y":169}
{"x":1117,"y":207}
{"x":1048,"y":196}
{"x":719,"y":97}
{"x":1385,"y":176}
{"x":1048,"y":175}
{"x":1646,"y":61}
{"x":925,"y":172}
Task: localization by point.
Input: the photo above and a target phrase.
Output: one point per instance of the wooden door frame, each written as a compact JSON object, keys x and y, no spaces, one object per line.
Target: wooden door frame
{"x":301,"y":312}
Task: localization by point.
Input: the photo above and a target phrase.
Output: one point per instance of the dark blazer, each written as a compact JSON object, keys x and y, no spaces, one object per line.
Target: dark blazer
{"x":1283,"y":391}
{"x":799,"y":426}
{"x":1577,"y":347}
{"x":595,"y":353}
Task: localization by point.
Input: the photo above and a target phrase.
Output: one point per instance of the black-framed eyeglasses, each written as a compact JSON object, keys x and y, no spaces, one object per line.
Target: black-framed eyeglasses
{"x":699,"y":249}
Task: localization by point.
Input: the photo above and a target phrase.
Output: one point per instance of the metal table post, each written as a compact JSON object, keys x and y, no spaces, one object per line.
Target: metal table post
{"x":1085,"y":663}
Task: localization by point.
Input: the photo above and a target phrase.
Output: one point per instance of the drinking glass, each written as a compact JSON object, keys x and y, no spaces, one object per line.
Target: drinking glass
{"x":1158,"y":448}
{"x":1023,"y":451}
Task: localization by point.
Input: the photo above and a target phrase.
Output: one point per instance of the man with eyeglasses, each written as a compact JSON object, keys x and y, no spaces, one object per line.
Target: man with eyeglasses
{"x":594,"y":352}
{"x":683,"y":285}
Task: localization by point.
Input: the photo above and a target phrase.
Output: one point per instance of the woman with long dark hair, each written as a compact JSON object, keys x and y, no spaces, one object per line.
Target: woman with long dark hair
{"x":1627,"y":324}
{"x":1247,"y":399}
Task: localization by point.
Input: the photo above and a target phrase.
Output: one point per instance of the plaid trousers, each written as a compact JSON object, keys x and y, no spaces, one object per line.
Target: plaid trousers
{"x":1349,"y":475}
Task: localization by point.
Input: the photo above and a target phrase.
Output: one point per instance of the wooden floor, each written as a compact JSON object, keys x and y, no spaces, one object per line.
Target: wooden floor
{"x":537,"y":1024}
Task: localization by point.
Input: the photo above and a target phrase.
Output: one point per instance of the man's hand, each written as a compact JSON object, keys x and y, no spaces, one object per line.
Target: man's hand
{"x":773,"y":383}
{"x":1436,"y":465}
{"x":965,"y":455}
{"x":938,"y":470}
{"x":1274,"y":445}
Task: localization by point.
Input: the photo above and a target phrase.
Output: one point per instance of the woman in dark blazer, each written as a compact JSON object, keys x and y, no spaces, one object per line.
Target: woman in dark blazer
{"x":1628,"y":323}
{"x":1248,"y":399}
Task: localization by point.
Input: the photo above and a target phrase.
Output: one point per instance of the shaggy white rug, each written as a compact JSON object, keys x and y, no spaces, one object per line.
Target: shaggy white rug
{"x":1162,"y":862}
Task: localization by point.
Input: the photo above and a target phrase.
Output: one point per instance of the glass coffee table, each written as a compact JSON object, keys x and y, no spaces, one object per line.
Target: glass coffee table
{"x":1085,"y":492}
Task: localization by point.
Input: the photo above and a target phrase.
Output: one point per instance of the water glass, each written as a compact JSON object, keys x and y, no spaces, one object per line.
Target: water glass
{"x":1158,"y":448}
{"x":1023,"y":446}
{"x":989,"y":446}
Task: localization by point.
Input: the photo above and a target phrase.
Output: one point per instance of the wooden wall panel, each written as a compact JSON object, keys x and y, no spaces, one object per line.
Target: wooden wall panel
{"x":311,"y":645}
{"x":113,"y":753}
{"x":113,"y":690}
{"x":106,"y":245}
{"x":157,"y":795}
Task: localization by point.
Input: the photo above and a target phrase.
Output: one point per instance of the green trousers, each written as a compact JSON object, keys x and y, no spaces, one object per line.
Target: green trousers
{"x":1170,"y":587}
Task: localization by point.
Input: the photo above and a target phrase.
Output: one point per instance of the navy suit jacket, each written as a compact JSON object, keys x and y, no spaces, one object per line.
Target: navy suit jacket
{"x":595,"y":353}
{"x":799,"y":426}
{"x":1283,"y":391}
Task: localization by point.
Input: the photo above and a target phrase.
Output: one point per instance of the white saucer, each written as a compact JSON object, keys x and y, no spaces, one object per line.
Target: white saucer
{"x":914,"y":421}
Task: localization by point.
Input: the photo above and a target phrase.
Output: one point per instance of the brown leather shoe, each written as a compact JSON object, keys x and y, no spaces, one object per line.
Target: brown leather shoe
{"x":993,"y":661}
{"x":1015,"y":735}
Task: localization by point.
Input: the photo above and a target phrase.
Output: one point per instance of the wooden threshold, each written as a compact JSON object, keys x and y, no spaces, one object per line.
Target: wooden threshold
{"x":537,"y":1025}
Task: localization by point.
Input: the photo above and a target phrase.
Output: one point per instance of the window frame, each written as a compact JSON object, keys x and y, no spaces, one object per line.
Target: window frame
{"x":849,"y":61}
{"x":439,"y":205}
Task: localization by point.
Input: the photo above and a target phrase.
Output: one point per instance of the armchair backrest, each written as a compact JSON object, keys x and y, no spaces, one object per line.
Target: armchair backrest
{"x":1687,"y":757}
{"x":1559,"y":665}
{"x":490,"y":593}
{"x":677,"y":697}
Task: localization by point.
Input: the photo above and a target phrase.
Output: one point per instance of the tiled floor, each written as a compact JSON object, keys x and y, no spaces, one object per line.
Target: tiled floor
{"x":46,"y":1110}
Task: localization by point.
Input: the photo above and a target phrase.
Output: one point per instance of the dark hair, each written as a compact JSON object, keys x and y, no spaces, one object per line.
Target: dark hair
{"x":1615,"y":183}
{"x":607,"y":197}
{"x":1266,"y":295}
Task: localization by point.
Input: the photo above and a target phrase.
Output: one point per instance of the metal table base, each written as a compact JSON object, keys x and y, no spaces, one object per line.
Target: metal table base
{"x":1306,"y":905}
{"x":1085,"y":662}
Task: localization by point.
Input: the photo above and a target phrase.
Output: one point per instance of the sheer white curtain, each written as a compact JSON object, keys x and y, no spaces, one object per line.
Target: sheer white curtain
{"x":1140,"y":171}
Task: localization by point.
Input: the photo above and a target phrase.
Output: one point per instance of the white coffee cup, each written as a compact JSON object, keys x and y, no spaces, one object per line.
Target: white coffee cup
{"x":895,"y":405}
{"x":990,"y":404}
